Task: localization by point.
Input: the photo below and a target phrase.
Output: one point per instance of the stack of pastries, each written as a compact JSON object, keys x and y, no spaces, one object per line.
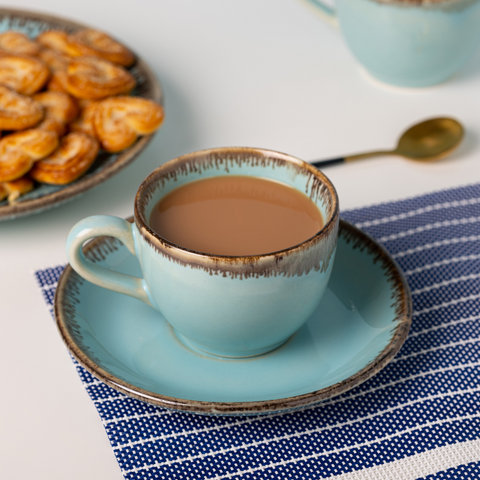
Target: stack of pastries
{"x":63,"y":97}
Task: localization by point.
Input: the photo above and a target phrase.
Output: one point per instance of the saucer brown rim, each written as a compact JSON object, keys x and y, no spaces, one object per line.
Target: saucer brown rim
{"x":402,"y":303}
{"x":153,"y":91}
{"x":157,"y":241}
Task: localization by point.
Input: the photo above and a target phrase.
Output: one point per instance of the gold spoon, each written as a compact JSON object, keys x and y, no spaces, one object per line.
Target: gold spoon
{"x":424,"y":142}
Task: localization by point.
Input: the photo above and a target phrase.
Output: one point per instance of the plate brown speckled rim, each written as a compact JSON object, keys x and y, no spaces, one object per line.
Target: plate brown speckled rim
{"x":401,"y":302}
{"x":150,"y":88}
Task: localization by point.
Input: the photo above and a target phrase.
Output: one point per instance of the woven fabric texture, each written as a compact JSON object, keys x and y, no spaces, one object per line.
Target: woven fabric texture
{"x":418,"y":418}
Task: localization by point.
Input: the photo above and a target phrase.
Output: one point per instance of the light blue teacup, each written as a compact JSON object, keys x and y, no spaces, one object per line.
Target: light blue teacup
{"x":224,"y":306}
{"x":408,"y":43}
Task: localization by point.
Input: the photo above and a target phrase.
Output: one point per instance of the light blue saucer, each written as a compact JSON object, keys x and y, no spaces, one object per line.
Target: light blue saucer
{"x":360,"y":325}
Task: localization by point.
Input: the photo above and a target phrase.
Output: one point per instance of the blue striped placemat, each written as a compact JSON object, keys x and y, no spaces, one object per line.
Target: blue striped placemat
{"x":418,"y":418}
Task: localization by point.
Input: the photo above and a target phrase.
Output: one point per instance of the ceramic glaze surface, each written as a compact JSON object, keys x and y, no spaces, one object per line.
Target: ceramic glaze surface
{"x":237,"y":315}
{"x":224,"y":305}
{"x":361,"y":322}
{"x":232,"y":316}
{"x":410,"y":44}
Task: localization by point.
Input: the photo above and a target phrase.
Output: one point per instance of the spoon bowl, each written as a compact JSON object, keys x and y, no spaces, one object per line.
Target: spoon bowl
{"x":430,"y":140}
{"x":426,"y":141}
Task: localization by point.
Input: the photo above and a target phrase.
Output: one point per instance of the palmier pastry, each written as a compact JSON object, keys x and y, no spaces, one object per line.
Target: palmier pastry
{"x":18,"y":112}
{"x":19,"y":151}
{"x":53,"y":125}
{"x":99,"y":44}
{"x":54,"y":39}
{"x":58,"y":104}
{"x":71,"y":160}
{"x":25,"y":75}
{"x":94,"y":78}
{"x":15,"y":188}
{"x":55,"y":60}
{"x":84,"y":102}
{"x":59,"y":108}
{"x":84,"y":122}
{"x":17,"y":43}
{"x":58,"y":82}
{"x":120,"y":120}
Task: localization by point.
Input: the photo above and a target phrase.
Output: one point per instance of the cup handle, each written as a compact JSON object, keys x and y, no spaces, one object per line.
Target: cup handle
{"x":328,"y":13}
{"x":119,"y":228}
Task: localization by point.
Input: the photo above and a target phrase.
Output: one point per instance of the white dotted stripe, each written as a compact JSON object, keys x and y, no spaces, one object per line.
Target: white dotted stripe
{"x":393,"y":383}
{"x":117,"y":396}
{"x":420,"y":465}
{"x":90,"y":383}
{"x":448,"y":261}
{"x":430,"y":226}
{"x":137,"y":417}
{"x":439,"y":243}
{"x":445,"y":283}
{"x":456,"y":301}
{"x":419,"y":211}
{"x":194,"y":431}
{"x":444,"y":325}
{"x":435,"y":349}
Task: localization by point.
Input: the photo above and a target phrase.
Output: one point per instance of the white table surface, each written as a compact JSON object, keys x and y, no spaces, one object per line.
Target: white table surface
{"x":264,"y":73}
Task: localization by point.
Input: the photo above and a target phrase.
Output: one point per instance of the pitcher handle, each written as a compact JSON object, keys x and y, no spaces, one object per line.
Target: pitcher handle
{"x":328,"y":13}
{"x":119,"y":228}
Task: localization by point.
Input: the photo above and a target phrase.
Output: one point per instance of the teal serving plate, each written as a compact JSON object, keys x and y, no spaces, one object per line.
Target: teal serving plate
{"x":43,"y":196}
{"x":359,"y":326}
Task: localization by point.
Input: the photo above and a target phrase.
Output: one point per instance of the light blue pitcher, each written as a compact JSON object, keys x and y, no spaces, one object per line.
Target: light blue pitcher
{"x":408,"y":43}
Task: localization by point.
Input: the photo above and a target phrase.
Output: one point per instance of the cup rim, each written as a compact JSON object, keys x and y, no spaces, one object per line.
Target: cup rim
{"x":172,"y":165}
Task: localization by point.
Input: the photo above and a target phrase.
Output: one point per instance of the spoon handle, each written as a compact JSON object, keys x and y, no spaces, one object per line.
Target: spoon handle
{"x":326,"y":163}
{"x":351,"y":158}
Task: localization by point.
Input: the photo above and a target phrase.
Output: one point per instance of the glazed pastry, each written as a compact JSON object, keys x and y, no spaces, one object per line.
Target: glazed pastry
{"x":15,"y":188}
{"x":99,"y":44}
{"x":17,"y":43}
{"x":120,"y":120}
{"x":94,"y":78}
{"x":51,"y":124}
{"x":55,"y":60}
{"x":84,"y":103}
{"x":19,"y":151}
{"x":59,"y":109}
{"x":77,"y":73}
{"x":58,"y":82}
{"x":25,"y":75}
{"x":55,"y":40}
{"x":58,"y":104}
{"x":70,"y":161}
{"x":84,"y":122}
{"x":18,"y":112}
